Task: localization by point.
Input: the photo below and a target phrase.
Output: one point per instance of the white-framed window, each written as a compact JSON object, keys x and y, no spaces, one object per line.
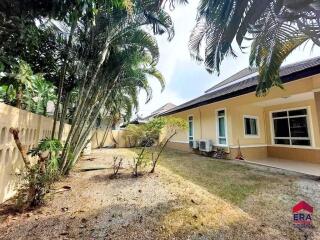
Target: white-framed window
{"x":291,"y":127}
{"x":251,"y":126}
{"x":190,"y":128}
{"x":221,"y":127}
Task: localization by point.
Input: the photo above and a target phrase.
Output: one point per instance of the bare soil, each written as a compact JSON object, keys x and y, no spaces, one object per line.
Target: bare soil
{"x":163,"y":205}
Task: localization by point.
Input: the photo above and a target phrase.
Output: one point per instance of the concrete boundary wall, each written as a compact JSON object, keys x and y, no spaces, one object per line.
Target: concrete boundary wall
{"x":32,"y":128}
{"x":115,"y":138}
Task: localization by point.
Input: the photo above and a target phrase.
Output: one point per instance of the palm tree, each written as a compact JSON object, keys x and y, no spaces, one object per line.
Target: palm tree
{"x":275,"y":28}
{"x":118,"y":35}
{"x":131,"y":60}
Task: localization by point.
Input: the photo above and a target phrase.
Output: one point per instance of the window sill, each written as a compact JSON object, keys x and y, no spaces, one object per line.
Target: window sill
{"x":220,"y":145}
{"x":292,"y":146}
{"x":251,"y":136}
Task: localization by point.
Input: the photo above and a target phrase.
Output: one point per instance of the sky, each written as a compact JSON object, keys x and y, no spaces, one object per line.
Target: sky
{"x":185,"y":78}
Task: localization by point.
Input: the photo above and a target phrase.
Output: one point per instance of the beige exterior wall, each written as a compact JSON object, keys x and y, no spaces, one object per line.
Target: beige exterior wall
{"x":179,"y":146}
{"x":300,"y":93}
{"x":298,"y":154}
{"x":250,"y":152}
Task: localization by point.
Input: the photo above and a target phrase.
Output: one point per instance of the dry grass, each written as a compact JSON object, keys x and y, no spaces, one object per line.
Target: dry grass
{"x":265,"y":194}
{"x":189,"y":197}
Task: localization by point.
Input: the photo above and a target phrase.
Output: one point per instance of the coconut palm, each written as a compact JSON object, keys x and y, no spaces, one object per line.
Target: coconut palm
{"x":274,"y":27}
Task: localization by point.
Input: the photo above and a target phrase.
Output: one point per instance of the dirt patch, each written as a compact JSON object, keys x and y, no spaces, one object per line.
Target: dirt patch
{"x":163,"y":205}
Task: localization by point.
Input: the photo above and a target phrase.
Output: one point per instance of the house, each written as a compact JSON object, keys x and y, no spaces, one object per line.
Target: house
{"x":159,"y":111}
{"x":284,"y":124}
{"x":142,"y":120}
{"x":116,"y":136}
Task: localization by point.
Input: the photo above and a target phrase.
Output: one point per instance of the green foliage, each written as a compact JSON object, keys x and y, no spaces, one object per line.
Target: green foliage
{"x":34,"y":186}
{"x":99,"y":50}
{"x":21,"y":74}
{"x":174,"y":124}
{"x":139,"y":161}
{"x":37,"y":180}
{"x":274,"y":28}
{"x":7,"y":94}
{"x":50,"y":147}
{"x":147,"y":134}
{"x":34,"y":89}
{"x":39,"y":94}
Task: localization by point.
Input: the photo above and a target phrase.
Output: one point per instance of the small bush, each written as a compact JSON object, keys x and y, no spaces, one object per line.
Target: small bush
{"x":147,"y":142}
{"x":35,"y":184}
{"x":117,"y":164}
{"x":38,"y":178}
{"x":139,"y":161}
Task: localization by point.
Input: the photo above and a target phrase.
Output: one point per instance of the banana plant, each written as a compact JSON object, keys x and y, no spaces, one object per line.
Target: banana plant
{"x":42,"y":92}
{"x":17,"y":81}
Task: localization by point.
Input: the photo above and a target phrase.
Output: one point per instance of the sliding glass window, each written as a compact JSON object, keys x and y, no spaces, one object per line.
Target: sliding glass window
{"x":291,"y":127}
{"x":190,"y":125}
{"x":221,"y":127}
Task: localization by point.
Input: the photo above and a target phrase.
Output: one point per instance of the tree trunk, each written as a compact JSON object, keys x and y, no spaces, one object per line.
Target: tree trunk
{"x":19,"y":97}
{"x":79,"y":140}
{"x":155,"y":161}
{"x":104,"y":138}
{"x":22,"y":149}
{"x":62,"y":77}
{"x":63,"y":115}
{"x":81,"y":105}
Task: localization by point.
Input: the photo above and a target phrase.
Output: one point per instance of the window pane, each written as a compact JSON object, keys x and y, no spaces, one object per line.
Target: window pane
{"x":222,"y":141}
{"x":190,"y":128}
{"x":222,"y":132}
{"x":247,"y":125}
{"x":221,"y":113}
{"x":251,"y":126}
{"x":282,"y":141}
{"x":281,"y":128}
{"x":300,"y":142}
{"x":279,"y":114}
{"x":299,"y":127}
{"x":298,"y":112}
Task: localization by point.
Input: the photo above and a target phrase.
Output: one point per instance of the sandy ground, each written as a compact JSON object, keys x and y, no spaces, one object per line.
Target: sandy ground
{"x":153,"y":206}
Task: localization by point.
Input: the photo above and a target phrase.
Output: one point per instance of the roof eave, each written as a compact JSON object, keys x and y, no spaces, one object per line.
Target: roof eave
{"x":285,"y":79}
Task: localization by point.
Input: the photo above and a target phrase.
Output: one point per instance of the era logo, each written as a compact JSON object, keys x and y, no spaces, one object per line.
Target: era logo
{"x":302,"y":214}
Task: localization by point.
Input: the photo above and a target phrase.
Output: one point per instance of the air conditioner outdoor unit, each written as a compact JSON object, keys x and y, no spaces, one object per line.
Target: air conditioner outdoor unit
{"x":205,"y":145}
{"x":195,"y":144}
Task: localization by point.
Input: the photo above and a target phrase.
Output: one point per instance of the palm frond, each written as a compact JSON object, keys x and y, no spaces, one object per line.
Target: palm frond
{"x":269,"y":25}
